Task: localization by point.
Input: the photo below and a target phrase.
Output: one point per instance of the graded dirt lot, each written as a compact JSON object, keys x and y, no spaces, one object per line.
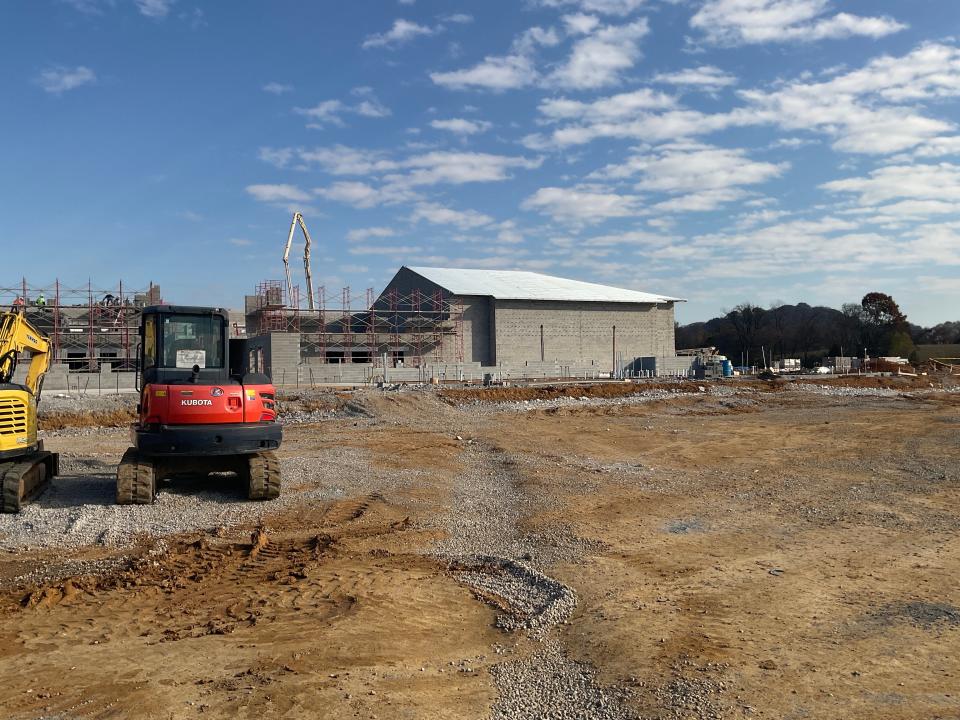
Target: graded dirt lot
{"x":726,"y":553}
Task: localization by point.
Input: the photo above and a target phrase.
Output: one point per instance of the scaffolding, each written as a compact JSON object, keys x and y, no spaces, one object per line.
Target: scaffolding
{"x":399,"y":329}
{"x":88,"y":326}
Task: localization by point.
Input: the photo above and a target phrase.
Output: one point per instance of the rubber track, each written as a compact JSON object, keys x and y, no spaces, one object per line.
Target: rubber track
{"x":135,"y":480}
{"x":20,"y":483}
{"x":264,"y":474}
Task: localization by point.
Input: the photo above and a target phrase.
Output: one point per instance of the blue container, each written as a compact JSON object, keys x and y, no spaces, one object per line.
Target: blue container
{"x":727,"y":368}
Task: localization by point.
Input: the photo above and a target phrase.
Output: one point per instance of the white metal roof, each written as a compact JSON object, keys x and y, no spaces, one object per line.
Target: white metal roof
{"x":523,"y":285}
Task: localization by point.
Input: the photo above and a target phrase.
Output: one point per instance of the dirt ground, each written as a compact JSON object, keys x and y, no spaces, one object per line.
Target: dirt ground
{"x":779,"y":555}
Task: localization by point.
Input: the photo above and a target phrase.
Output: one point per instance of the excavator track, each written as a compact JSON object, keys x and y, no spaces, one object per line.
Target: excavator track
{"x":25,"y":479}
{"x":263,"y":476}
{"x":136,"y":480}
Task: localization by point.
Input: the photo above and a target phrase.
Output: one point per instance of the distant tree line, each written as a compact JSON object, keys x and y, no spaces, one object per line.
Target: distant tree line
{"x":876,"y":326}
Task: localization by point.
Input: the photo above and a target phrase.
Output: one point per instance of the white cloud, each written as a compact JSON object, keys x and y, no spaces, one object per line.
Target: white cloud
{"x":362,"y":234}
{"x":392,"y":250}
{"x":600,"y":58}
{"x":460,"y":126}
{"x":938,"y":147}
{"x":734,"y":22}
{"x":91,"y":7}
{"x":580,"y":24}
{"x":276,"y":88}
{"x":403,"y":31}
{"x":532,"y":38}
{"x":693,"y":168}
{"x":399,"y":176}
{"x":56,"y":80}
{"x":493,"y":73}
{"x":893,"y":182}
{"x":240,"y":242}
{"x":701,"y":200}
{"x":608,"y":7}
{"x":331,"y":112}
{"x":343,"y":160}
{"x":499,"y":73}
{"x":458,"y":18}
{"x":154,"y":8}
{"x":277,"y":193}
{"x":278,"y":157}
{"x":705,"y":76}
{"x":630,"y":237}
{"x":583,"y":204}
{"x":859,"y":110}
{"x":615,"y":107}
{"x":458,"y":168}
{"x":441,"y":215}
{"x":363,"y":195}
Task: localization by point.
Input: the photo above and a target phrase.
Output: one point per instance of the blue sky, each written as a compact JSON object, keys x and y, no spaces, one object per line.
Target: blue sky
{"x":718,"y":150}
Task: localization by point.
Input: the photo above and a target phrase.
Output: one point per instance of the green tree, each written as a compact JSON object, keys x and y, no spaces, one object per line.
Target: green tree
{"x":891,"y":334}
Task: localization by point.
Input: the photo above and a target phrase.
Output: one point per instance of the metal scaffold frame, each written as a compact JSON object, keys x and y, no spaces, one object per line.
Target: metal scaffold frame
{"x":88,"y":325}
{"x":406,"y":329}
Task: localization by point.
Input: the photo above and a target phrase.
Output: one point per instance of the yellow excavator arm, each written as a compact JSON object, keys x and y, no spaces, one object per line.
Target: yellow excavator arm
{"x":16,"y":336}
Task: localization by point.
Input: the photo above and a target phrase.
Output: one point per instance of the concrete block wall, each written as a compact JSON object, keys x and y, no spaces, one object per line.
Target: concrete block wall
{"x":581,"y":332}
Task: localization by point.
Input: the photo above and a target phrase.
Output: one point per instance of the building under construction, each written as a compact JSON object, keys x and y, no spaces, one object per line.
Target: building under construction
{"x":480,"y":318}
{"x":89,"y":326}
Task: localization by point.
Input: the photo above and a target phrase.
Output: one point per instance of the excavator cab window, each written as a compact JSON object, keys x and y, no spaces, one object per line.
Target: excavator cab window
{"x":190,"y":340}
{"x":149,"y":342}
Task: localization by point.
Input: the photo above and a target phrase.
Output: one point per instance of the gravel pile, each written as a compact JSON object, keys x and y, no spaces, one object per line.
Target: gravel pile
{"x":578,"y":402}
{"x":52,"y":402}
{"x":550,"y":686}
{"x":532,"y":600}
{"x":844,"y":391}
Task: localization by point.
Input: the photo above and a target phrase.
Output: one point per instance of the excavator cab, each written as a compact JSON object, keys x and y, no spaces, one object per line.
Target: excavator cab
{"x":200,"y":410}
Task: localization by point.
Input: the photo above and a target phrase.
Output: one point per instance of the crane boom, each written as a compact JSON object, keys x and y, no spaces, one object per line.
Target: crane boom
{"x":298,"y":220}
{"x":17,"y":335}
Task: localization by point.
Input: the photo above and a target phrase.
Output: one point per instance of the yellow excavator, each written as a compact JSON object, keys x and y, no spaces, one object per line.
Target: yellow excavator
{"x":25,"y":467}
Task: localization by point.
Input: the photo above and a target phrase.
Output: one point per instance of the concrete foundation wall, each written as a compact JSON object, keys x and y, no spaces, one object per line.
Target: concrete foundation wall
{"x":581,"y":332}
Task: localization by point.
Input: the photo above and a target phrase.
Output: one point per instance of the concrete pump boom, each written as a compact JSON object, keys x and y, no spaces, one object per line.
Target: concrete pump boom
{"x":298,"y":219}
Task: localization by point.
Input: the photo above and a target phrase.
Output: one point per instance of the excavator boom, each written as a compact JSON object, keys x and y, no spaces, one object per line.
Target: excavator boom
{"x":16,"y":336}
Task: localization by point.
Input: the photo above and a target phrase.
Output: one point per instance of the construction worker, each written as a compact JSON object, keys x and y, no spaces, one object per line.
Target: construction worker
{"x":18,"y":304}
{"x":41,"y":301}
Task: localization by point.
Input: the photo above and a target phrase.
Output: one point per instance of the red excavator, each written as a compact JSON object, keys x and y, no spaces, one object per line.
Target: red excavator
{"x":200,"y":409}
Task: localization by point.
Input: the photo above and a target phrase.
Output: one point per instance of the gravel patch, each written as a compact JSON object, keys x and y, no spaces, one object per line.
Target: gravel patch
{"x":549,"y":686}
{"x":78,"y":508}
{"x":487,"y":553}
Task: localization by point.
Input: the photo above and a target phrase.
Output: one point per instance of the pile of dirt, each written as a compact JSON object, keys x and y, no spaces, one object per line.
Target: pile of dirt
{"x":313,"y":400}
{"x":552,"y":392}
{"x":119,"y":417}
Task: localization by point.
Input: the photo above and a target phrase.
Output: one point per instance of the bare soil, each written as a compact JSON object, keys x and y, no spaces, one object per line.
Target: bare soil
{"x":787,"y":556}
